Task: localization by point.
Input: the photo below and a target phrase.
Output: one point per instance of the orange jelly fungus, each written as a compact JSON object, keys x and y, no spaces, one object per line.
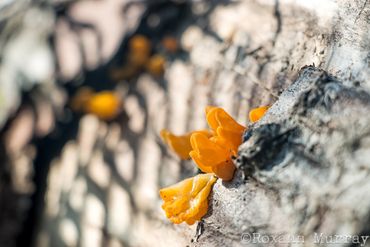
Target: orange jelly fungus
{"x":140,"y":44}
{"x":80,"y":99}
{"x":155,"y":65}
{"x":187,"y":201}
{"x":139,"y":50}
{"x":213,"y":154}
{"x":257,"y":113}
{"x":180,"y":144}
{"x":105,"y":105}
{"x":170,"y":44}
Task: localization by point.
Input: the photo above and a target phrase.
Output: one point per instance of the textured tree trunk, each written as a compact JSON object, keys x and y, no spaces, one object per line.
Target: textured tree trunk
{"x":306,"y":171}
{"x":304,"y":168}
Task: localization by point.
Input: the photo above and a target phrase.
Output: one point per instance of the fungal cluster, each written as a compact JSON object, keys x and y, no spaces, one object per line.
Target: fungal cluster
{"x":143,"y":55}
{"x":106,"y":105}
{"x":212,"y":151}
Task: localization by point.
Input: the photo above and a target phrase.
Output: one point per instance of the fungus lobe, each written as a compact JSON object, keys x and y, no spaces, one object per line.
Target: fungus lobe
{"x":187,"y":201}
{"x":214,"y":154}
{"x":257,"y":113}
{"x":180,"y":144}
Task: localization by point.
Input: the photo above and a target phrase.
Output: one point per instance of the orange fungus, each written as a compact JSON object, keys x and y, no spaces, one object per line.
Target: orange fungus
{"x":180,"y":144}
{"x":140,"y":44}
{"x":213,"y":154}
{"x":80,"y":99}
{"x":155,"y":65}
{"x":211,"y":157}
{"x":187,"y":201}
{"x":212,"y":151}
{"x":226,"y":128}
{"x":105,"y":105}
{"x":257,"y":113}
{"x":170,"y":44}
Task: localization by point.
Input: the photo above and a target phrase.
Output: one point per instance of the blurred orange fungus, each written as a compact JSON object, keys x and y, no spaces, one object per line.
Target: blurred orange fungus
{"x":80,"y":99}
{"x":106,"y":104}
{"x":140,"y":44}
{"x":139,"y":51}
{"x":257,"y":113}
{"x":180,"y":144}
{"x":155,"y":65}
{"x":170,"y":44}
{"x":139,"y":58}
{"x":187,"y":201}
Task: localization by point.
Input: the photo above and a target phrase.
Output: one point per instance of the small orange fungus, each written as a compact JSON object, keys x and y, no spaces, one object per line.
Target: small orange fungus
{"x":170,"y":44}
{"x":180,"y":144}
{"x":140,"y":44}
{"x":155,"y":65}
{"x":257,"y":113}
{"x":187,"y":201}
{"x":138,"y":54}
{"x":228,"y":131}
{"x":139,"y":50}
{"x":105,"y":105}
{"x":211,"y":157}
{"x":80,"y":99}
{"x":213,"y":154}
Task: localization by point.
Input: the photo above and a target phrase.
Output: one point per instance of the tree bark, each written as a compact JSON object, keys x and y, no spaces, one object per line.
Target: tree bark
{"x":306,"y":171}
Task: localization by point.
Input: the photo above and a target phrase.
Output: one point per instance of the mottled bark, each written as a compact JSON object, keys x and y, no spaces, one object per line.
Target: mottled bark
{"x":306,"y":169}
